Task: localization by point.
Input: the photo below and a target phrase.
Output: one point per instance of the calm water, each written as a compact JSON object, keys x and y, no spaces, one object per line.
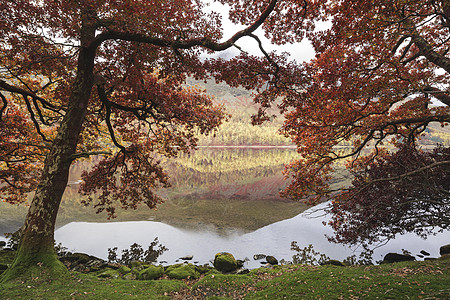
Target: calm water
{"x":274,"y":239}
{"x":231,"y":195}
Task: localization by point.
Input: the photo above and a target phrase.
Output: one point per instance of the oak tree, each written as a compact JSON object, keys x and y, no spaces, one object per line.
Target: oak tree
{"x":379,"y":79}
{"x":106,"y":77}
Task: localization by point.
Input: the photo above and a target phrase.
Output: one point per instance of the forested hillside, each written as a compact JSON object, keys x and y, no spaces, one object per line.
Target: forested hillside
{"x":239,"y":131}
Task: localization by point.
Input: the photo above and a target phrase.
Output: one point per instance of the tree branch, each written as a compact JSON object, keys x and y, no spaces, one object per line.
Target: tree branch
{"x":185,"y":44}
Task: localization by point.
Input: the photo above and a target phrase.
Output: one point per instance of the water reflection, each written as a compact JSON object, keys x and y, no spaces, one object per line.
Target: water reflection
{"x":274,"y":239}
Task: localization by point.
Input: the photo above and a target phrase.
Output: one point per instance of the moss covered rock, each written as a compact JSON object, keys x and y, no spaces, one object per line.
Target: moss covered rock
{"x":334,"y":262}
{"x":225,"y":262}
{"x":182,"y":271}
{"x":151,"y":273}
{"x":124,"y":270}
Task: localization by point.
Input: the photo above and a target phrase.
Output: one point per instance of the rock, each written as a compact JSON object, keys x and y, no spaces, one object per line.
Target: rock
{"x":240,"y":263}
{"x":84,"y":263}
{"x":423,"y":252}
{"x":182,"y":271}
{"x":334,"y":262}
{"x":109,"y":273}
{"x":80,"y":258}
{"x":124,"y":270}
{"x":187,"y":257}
{"x":445,"y":256}
{"x":395,"y":257}
{"x":129,"y":276}
{"x":203,"y":269}
{"x":2,"y":244}
{"x":444,"y":249}
{"x":272,"y":260}
{"x":151,"y":273}
{"x":259,"y":256}
{"x":225,"y":262}
{"x":242,"y":271}
{"x":135,"y":264}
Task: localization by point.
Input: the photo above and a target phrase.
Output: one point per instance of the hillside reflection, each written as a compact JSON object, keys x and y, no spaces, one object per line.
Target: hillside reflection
{"x":223,"y":189}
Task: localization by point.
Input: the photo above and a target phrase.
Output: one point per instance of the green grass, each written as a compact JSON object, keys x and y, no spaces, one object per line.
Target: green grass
{"x":409,"y":280}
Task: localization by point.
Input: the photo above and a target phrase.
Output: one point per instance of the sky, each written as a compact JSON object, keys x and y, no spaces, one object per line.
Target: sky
{"x":299,"y":52}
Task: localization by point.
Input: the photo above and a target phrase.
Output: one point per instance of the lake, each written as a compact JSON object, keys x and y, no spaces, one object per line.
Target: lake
{"x":223,"y":199}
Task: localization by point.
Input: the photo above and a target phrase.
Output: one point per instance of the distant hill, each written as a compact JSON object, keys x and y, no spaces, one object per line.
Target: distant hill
{"x":238,"y":131}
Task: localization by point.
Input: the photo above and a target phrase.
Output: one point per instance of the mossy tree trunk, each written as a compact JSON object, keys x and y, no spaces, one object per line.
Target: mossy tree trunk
{"x":36,"y":254}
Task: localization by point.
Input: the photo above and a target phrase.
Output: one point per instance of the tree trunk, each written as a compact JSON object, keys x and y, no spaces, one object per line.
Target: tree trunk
{"x":36,"y":255}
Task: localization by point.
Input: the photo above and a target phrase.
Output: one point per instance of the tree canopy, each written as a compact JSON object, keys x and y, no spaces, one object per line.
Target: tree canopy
{"x":105,"y":77}
{"x":379,"y":79}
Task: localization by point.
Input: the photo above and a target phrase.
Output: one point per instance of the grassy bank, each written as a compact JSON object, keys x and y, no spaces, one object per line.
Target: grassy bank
{"x":408,"y":280}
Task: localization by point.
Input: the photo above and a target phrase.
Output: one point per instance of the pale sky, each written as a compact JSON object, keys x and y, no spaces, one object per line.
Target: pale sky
{"x":300,"y":52}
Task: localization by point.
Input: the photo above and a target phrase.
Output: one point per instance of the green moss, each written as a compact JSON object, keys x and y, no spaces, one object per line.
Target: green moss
{"x":182,"y":271}
{"x":151,"y":273}
{"x":124,"y":270}
{"x":7,"y":256}
{"x":29,"y":264}
{"x":225,"y":262}
{"x":428,"y":279}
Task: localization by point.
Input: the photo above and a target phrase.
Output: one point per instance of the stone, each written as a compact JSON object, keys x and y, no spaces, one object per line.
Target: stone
{"x":182,"y":271}
{"x":444,"y":249}
{"x":2,"y":244}
{"x":203,"y":269}
{"x":124,"y":270}
{"x":240,"y":263}
{"x":395,"y":257}
{"x":259,"y":256}
{"x":272,"y":260}
{"x":423,"y":252}
{"x":129,"y":276}
{"x":225,"y":262}
{"x":445,"y":257}
{"x":334,"y":262}
{"x":151,"y":273}
{"x":187,"y":257}
{"x":242,"y":271}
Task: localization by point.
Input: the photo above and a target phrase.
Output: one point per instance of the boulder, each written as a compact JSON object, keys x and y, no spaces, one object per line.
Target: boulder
{"x":240,"y":263}
{"x":242,"y":271}
{"x":187,"y":257}
{"x":182,"y":271}
{"x":334,"y":262}
{"x":423,"y":252}
{"x":109,"y":273}
{"x":2,"y":244}
{"x":203,"y":269}
{"x":84,"y":263}
{"x":272,"y":260}
{"x":225,"y":262}
{"x":151,"y":273}
{"x":395,"y":257}
{"x":444,"y":249}
{"x":124,"y":270}
{"x":259,"y":256}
